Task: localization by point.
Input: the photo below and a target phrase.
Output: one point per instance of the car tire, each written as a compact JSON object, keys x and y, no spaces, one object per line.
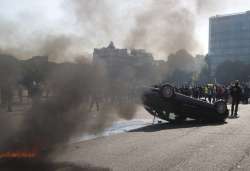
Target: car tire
{"x":167,"y":91}
{"x":221,"y":107}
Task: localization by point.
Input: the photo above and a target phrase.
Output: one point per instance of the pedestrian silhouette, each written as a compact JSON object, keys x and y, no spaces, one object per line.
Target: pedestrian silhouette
{"x":236,"y":92}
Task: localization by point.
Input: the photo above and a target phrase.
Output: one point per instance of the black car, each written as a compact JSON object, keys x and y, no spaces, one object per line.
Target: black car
{"x":165,"y":102}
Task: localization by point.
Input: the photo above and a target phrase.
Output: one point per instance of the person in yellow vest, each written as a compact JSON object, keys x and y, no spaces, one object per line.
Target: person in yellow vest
{"x":206,"y":92}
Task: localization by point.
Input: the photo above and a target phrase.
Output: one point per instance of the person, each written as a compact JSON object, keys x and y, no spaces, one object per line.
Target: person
{"x":210,"y":93}
{"x":7,"y":96}
{"x":195,"y":92}
{"x":35,"y":92}
{"x":20,"y":92}
{"x":214,"y":92}
{"x":206,"y":92}
{"x":201,"y":94}
{"x":245,"y":94}
{"x":226,"y":93}
{"x":235,"y":92}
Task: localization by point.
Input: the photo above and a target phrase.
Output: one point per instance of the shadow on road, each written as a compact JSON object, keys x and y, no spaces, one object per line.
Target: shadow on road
{"x":185,"y":124}
{"x":42,"y":165}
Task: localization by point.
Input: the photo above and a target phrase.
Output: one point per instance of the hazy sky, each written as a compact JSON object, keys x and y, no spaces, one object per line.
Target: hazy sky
{"x":22,"y":20}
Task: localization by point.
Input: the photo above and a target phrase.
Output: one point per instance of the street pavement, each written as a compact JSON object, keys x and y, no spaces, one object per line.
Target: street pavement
{"x":188,"y":146}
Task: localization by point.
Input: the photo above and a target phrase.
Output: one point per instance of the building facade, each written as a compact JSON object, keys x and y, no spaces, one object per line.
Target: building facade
{"x":112,"y":56}
{"x":229,"y":38}
{"x":137,"y":66}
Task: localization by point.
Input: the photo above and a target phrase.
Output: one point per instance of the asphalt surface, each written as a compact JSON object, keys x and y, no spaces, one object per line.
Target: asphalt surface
{"x":188,"y":146}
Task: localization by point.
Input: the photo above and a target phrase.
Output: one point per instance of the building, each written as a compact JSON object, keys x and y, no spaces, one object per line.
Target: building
{"x":140,"y":57}
{"x":229,"y":38}
{"x":111,"y":55}
{"x":114,"y":57}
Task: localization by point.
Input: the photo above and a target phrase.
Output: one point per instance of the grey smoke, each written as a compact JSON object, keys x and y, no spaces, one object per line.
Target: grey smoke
{"x":93,"y":13}
{"x":66,"y":113}
{"x":57,"y":47}
{"x":165,"y":27}
{"x":94,"y":18}
{"x":209,"y":6}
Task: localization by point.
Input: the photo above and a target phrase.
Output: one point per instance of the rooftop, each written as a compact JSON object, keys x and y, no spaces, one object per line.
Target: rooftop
{"x":233,"y":14}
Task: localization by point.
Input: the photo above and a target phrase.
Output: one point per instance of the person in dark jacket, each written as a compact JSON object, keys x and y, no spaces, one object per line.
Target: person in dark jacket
{"x":235,"y":92}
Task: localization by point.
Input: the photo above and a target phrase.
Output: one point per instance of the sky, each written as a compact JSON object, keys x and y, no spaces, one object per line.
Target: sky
{"x":94,"y":23}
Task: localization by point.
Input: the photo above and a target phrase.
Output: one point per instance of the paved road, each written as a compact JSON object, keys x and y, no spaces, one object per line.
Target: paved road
{"x":190,"y":146}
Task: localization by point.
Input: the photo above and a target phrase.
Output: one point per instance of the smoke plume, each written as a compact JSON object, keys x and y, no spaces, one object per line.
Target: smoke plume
{"x":209,"y":6}
{"x":162,"y":27}
{"x":93,"y":13}
{"x":66,"y":113}
{"x":165,"y":27}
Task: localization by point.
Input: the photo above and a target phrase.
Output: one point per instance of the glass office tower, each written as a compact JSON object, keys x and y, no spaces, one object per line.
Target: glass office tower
{"x":229,"y":38}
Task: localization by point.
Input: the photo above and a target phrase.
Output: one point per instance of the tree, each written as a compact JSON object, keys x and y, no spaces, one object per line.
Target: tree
{"x":181,"y":60}
{"x":229,"y":71}
{"x":204,"y":75}
{"x":180,"y":77}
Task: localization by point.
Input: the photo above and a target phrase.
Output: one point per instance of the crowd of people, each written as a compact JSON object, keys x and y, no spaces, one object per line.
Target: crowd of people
{"x":233,"y":93}
{"x":209,"y":92}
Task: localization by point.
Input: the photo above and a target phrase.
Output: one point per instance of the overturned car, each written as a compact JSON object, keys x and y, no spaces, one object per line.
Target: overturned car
{"x":165,"y":102}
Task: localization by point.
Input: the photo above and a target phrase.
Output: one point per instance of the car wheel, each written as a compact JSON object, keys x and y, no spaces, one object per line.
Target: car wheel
{"x":167,"y":91}
{"x":221,"y":107}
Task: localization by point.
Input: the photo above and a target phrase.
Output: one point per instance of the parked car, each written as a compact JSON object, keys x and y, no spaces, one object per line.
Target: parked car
{"x":165,"y":102}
